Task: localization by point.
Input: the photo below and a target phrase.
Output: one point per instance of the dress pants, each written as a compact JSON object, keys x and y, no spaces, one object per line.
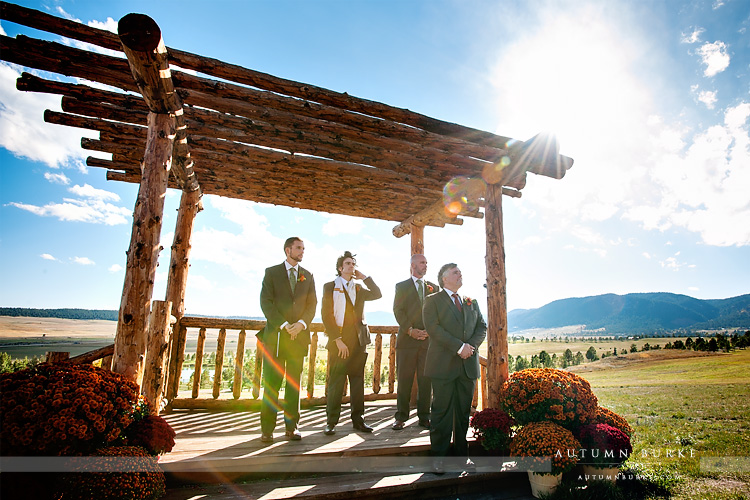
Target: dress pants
{"x":451,"y":408}
{"x":354,"y":368}
{"x":409,"y":362}
{"x":275,"y":369}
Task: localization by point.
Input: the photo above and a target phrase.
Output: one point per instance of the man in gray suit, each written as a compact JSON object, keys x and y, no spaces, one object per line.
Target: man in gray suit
{"x":456,"y":329}
{"x":288,"y":301}
{"x":411,"y":343}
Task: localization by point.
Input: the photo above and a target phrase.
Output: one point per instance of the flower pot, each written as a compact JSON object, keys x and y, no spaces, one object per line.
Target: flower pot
{"x":543,"y":483}
{"x":593,"y":473}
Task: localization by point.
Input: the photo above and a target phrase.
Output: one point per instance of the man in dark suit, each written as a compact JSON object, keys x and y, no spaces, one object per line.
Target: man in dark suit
{"x":288,"y":301}
{"x":411,"y":344}
{"x":343,"y":314}
{"x":456,"y":329}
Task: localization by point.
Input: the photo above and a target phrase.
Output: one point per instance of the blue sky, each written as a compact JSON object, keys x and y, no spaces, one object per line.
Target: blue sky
{"x":651,"y":99}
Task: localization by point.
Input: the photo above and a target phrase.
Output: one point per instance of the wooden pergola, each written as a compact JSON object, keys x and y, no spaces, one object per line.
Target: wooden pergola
{"x":239,"y":133}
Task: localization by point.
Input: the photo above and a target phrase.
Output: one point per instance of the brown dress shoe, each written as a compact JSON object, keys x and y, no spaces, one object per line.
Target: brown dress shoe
{"x":398,"y":425}
{"x":424,"y":423}
{"x":294,"y":435}
{"x":362,"y":427}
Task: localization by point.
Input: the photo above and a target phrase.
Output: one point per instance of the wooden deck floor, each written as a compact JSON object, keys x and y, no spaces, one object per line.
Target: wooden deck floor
{"x":221,"y":455}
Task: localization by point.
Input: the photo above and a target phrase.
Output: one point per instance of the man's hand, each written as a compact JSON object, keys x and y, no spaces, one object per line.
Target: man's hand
{"x":343,"y":350}
{"x":358,"y":275}
{"x":418,"y":334}
{"x":466,"y":351}
{"x":294,"y":330}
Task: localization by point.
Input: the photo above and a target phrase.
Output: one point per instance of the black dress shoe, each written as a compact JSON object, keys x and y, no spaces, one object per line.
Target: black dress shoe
{"x":266,"y":438}
{"x":424,"y":423}
{"x":397,"y":425}
{"x":362,"y":427}
{"x":294,"y":435}
{"x":330,"y":430}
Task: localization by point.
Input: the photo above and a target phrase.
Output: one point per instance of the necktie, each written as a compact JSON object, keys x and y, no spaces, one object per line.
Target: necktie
{"x":292,"y":278}
{"x":420,"y":290}
{"x":457,"y":301}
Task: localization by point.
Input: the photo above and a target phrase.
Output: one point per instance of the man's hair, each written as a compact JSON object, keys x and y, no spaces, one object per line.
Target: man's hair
{"x":289,"y":243}
{"x":340,"y":261}
{"x":443,"y":270}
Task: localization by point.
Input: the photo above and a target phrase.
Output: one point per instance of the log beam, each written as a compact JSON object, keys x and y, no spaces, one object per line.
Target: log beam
{"x":154,"y":373}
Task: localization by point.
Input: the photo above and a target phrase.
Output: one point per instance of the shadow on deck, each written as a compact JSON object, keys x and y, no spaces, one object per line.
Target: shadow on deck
{"x":219,"y":455}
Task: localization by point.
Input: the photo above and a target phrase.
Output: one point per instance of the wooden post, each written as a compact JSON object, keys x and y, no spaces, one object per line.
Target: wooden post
{"x":376,"y":363}
{"x":259,"y":350}
{"x":198,"y":362}
{"x":392,"y":365}
{"x":311,"y":365}
{"x":239,"y":365}
{"x":143,"y":253}
{"x":57,"y":356}
{"x":417,"y":239}
{"x":177,"y":282}
{"x":497,"y":312}
{"x":219,"y":367}
{"x":154,"y":374}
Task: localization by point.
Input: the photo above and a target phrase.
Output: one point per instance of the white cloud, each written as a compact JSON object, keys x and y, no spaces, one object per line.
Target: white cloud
{"x":115,"y":268}
{"x":715,"y":57}
{"x":88,"y":191}
{"x":692,"y":37}
{"x":47,"y":256}
{"x":646,"y":255}
{"x":342,"y":224}
{"x":57,"y":178}
{"x":24,"y":132}
{"x":707,"y":97}
{"x":84,"y":261}
{"x":92,"y":211}
{"x":2,"y":31}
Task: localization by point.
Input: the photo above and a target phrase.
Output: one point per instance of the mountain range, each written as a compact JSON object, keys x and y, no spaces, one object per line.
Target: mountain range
{"x":636,"y":312}
{"x":631,"y":313}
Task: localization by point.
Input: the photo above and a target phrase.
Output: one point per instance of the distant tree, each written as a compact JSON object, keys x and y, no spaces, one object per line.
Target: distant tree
{"x":544,"y":359}
{"x":615,"y":351}
{"x":713,"y":346}
{"x":700,"y":344}
{"x":633,"y":348}
{"x":678,"y":344}
{"x":646,"y":347}
{"x":521,"y":363}
{"x":535,"y":361}
{"x":668,"y":345}
{"x":591,"y":354}
{"x":579,"y":358}
{"x":689,"y":343}
{"x":568,"y":356}
{"x":555,"y":360}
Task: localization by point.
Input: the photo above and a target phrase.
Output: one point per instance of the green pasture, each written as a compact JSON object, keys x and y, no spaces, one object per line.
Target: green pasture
{"x":683,"y":410}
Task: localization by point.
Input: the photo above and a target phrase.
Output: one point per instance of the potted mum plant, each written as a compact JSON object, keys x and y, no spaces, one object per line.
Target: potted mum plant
{"x":542,"y":441}
{"x":492,"y":428}
{"x":603,"y":449}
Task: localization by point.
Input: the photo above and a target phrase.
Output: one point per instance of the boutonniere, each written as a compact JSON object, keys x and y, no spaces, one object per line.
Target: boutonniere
{"x":301,"y":278}
{"x":468,"y":301}
{"x":430,"y":289}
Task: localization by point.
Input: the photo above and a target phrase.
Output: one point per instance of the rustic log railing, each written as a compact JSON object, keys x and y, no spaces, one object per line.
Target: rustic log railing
{"x":217,"y":328}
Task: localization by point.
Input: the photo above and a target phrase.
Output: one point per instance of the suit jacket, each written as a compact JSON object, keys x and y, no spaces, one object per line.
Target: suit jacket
{"x":449,"y":330}
{"x":353,"y":317}
{"x":279,"y":305}
{"x":408,"y":312}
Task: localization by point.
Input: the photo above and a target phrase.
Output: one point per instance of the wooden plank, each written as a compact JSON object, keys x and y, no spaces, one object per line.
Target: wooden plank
{"x":198,"y":364}
{"x":157,"y":343}
{"x":239,"y":365}
{"x":219,"y":365}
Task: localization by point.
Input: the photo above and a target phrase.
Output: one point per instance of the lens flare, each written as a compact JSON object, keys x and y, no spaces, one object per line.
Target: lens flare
{"x":461,"y":194}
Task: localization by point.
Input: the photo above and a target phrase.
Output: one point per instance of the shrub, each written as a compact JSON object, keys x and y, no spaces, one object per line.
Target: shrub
{"x":492,"y":428}
{"x":64,"y":409}
{"x":152,"y":433}
{"x":135,"y":479}
{"x":542,"y":440}
{"x":540,"y":394}
{"x":604,"y":445}
{"x":605,"y":416}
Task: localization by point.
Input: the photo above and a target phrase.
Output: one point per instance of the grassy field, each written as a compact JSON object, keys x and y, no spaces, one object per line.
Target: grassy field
{"x":685,"y":408}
